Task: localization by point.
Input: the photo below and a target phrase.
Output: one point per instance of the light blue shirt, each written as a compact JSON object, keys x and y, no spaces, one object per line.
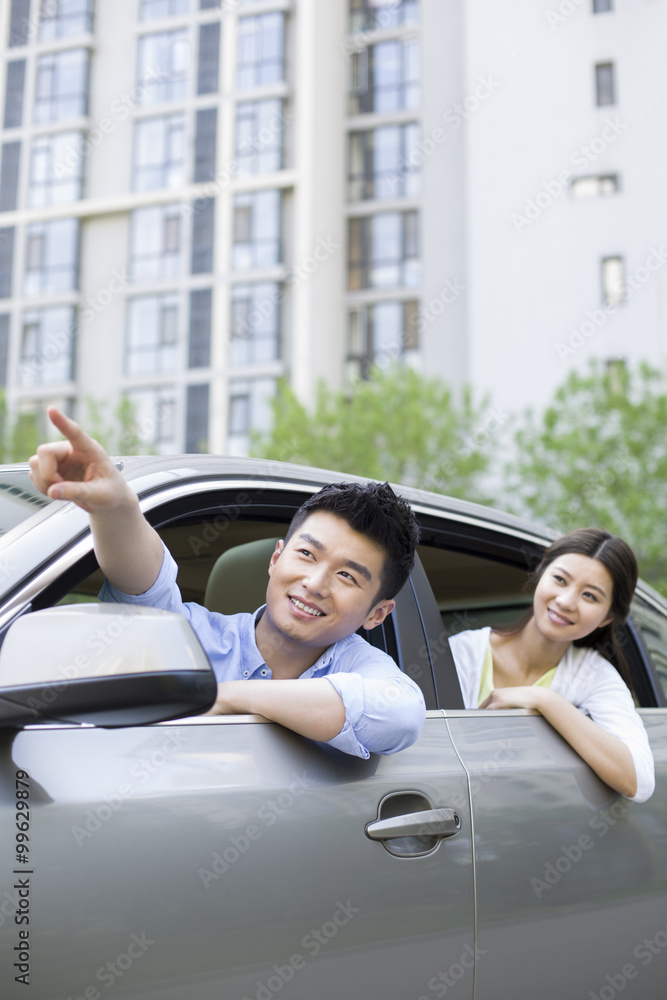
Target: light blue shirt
{"x":384,"y":708}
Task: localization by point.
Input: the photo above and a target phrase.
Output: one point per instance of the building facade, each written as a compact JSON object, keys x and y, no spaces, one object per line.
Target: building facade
{"x":199,"y":197}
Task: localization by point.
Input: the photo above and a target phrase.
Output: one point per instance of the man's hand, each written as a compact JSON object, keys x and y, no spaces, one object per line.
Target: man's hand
{"x":78,"y":469}
{"x":128,"y":549}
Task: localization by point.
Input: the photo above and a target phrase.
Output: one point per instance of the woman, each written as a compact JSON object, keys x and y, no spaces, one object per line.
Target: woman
{"x":551,"y":660}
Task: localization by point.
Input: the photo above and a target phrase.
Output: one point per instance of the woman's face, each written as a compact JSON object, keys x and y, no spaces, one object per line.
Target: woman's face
{"x":573,"y":598}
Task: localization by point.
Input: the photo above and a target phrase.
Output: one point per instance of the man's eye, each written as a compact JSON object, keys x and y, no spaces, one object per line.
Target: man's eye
{"x":348,"y":576}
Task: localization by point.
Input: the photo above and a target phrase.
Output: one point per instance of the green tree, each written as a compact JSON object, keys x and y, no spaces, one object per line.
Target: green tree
{"x":598,"y":456}
{"x":18,"y":437}
{"x":397,"y":425}
{"x":120,"y":435}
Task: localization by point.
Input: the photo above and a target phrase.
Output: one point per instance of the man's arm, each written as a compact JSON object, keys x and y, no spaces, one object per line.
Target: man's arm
{"x":311,"y":708}
{"x":128,"y":549}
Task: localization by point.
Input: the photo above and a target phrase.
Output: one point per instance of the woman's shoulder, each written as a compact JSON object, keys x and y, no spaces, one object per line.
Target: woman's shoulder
{"x":471,"y":639}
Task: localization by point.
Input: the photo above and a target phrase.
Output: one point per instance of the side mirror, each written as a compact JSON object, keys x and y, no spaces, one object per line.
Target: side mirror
{"x":105,"y":664}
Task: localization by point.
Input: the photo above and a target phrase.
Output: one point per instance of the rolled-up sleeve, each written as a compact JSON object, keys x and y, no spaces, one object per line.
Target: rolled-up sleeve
{"x":383,"y":714}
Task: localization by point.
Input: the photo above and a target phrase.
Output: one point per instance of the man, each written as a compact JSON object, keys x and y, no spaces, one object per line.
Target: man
{"x":348,"y":551}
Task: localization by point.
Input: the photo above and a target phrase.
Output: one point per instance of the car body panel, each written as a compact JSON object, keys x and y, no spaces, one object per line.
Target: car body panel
{"x":228,"y":845}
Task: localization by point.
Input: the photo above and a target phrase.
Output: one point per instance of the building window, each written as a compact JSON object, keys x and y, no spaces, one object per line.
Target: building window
{"x":19,"y":23}
{"x":9,"y":176}
{"x":196,"y":419}
{"x":255,"y":324}
{"x":256,"y":230}
{"x":613,"y":281}
{"x":203,"y":233}
{"x":208,"y":64}
{"x":47,"y":345}
{"x":152,"y":335}
{"x":65,"y":18}
{"x":381,"y":334}
{"x":384,"y":251}
{"x":164,"y":62}
{"x":583,"y":188}
{"x":62,"y":85}
{"x":155,"y":242}
{"x":605,"y":91}
{"x":261,"y":44}
{"x":205,"y":144}
{"x":14,"y":93}
{"x":602,"y":6}
{"x":56,"y":169}
{"x":159,"y":153}
{"x":199,"y":340}
{"x":385,"y":77}
{"x":155,"y":10}
{"x":259,"y":136}
{"x":380,"y":163}
{"x":52,"y":257}
{"x":155,"y":410}
{"x":6,"y":261}
{"x":378,"y":15}
{"x":249,"y":411}
{"x":4,"y":347}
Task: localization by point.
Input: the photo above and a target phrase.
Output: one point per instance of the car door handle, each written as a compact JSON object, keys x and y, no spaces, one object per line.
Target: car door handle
{"x":430,"y":823}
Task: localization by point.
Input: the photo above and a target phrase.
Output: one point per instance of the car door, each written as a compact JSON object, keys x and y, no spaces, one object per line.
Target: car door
{"x":570,"y":877}
{"x":227,"y":857}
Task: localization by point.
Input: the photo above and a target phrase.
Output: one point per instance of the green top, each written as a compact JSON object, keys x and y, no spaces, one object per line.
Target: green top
{"x":486,"y":685}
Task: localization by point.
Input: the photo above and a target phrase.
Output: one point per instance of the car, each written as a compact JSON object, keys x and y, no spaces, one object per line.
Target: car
{"x":161,"y":853}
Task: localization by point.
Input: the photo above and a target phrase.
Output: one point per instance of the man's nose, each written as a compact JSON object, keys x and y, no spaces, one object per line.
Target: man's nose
{"x":317,"y":580}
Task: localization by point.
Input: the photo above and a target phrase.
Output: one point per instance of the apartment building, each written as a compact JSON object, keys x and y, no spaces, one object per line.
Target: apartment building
{"x":199,"y":197}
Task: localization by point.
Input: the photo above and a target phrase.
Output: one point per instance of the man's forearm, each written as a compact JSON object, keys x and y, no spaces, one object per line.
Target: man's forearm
{"x":127,"y":547}
{"x":312,"y":708}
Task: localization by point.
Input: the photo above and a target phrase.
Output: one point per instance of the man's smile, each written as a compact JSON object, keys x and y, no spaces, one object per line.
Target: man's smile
{"x":307,"y":608}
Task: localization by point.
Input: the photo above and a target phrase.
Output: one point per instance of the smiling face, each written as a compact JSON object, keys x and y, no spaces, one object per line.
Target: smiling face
{"x":324,"y":584}
{"x":572,"y":598}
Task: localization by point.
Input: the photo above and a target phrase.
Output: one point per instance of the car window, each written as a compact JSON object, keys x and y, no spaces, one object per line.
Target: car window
{"x":472,"y":591}
{"x":652,"y":627}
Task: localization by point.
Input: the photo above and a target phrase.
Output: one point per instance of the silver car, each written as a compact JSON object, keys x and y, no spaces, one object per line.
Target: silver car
{"x":152,"y":852}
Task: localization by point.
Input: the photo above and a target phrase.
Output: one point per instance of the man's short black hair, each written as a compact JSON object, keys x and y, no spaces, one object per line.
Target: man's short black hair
{"x":374,"y":510}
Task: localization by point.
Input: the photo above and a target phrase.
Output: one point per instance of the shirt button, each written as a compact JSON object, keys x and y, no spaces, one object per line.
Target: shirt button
{"x":264,"y":672}
{"x":245,"y":673}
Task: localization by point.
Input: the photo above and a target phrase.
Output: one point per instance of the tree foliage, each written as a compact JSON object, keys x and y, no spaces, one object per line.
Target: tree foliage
{"x":598,"y":456}
{"x":397,"y":425}
{"x":20,"y":434}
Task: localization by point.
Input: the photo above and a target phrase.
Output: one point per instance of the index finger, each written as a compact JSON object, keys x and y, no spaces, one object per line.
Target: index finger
{"x":70,"y":429}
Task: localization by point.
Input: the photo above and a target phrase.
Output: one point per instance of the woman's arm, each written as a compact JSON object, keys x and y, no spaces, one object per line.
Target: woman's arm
{"x":605,"y":753}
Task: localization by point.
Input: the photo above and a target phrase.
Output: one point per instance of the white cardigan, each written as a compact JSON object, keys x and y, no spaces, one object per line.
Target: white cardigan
{"x":584,"y":678}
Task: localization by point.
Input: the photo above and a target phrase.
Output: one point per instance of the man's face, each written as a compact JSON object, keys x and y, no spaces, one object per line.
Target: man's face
{"x":324,"y":583}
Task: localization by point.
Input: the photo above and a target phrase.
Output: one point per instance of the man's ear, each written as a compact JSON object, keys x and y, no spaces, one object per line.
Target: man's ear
{"x":378,"y":613}
{"x":280,"y":545}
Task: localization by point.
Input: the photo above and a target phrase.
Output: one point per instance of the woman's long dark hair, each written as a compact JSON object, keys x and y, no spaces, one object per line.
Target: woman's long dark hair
{"x":619,"y":560}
